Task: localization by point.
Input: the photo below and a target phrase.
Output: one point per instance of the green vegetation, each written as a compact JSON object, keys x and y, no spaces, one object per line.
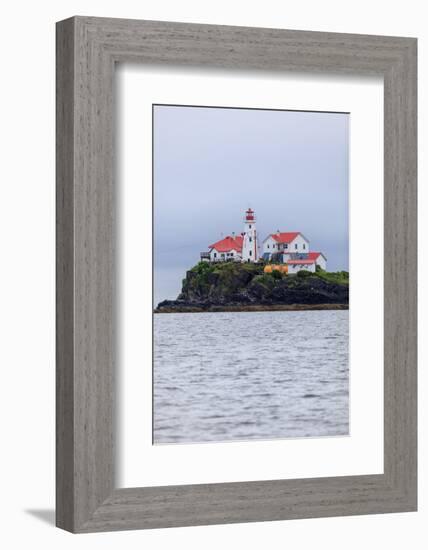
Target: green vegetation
{"x":338,"y":277}
{"x":219,"y":280}
{"x":303,"y":274}
{"x":276,"y":274}
{"x":216,"y":286}
{"x":224,"y":282}
{"x":202,"y":268}
{"x":265,"y":279}
{"x":201,"y":280}
{"x":232,"y":274}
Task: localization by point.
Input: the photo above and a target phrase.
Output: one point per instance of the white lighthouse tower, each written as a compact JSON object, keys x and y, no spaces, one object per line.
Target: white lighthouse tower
{"x":249,"y":245}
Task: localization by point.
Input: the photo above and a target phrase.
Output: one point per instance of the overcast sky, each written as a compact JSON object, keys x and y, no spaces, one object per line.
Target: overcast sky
{"x":211,"y":164}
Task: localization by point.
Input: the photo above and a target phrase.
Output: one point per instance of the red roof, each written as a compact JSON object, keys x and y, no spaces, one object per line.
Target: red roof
{"x":284,"y":238}
{"x":303,"y":262}
{"x":314,"y":255}
{"x":228,"y":243}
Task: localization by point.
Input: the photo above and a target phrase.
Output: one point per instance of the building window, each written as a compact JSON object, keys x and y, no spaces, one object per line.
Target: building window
{"x":251,"y":252}
{"x":304,"y":246}
{"x":249,"y":226}
{"x":251,"y":240}
{"x":215,"y":254}
{"x":273,"y":246}
{"x":268,"y":246}
{"x":286,"y":246}
{"x":222,"y":255}
{"x":295,"y":246}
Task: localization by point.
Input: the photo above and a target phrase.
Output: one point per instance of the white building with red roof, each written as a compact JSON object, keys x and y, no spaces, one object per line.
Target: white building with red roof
{"x":293,"y":249}
{"x":308,"y":262}
{"x":240,"y":248}
{"x":229,"y":248}
{"x":292,"y":241}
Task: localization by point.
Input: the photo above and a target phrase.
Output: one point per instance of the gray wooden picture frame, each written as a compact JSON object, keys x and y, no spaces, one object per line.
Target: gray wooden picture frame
{"x":87,"y":51}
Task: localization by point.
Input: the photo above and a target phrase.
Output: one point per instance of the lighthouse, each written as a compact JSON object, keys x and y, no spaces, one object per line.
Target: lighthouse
{"x":249,"y":245}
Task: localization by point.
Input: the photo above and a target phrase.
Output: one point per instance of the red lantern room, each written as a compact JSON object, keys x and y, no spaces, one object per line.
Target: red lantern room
{"x":249,"y":215}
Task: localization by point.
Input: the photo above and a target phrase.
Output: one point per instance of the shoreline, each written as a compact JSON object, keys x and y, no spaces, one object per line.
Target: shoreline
{"x":252,"y":308}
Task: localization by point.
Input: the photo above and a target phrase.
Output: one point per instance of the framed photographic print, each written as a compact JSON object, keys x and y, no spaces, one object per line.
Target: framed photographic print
{"x":236,"y":274}
{"x":228,"y":363}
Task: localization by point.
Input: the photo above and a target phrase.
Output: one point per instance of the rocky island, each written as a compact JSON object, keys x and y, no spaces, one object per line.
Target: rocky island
{"x":234,"y":286}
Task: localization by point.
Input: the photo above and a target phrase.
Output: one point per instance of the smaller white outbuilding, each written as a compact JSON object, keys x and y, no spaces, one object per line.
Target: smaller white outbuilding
{"x":308,"y":262}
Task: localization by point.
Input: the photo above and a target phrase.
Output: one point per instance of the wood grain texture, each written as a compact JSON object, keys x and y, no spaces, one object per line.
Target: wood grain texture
{"x":64,"y":276}
{"x":87,"y":50}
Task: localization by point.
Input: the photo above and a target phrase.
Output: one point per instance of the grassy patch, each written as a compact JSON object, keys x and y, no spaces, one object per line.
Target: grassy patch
{"x":265,"y":279}
{"x":338,"y":277}
{"x":202,"y":267}
{"x":225,"y":278}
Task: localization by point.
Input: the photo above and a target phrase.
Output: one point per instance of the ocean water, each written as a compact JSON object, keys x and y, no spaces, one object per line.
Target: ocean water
{"x":248,"y":376}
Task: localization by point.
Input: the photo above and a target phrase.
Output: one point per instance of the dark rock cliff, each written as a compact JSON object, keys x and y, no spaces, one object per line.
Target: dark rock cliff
{"x":245,"y":287}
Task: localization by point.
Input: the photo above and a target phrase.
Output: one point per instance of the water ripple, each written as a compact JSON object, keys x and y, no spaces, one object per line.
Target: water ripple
{"x":282,"y":374}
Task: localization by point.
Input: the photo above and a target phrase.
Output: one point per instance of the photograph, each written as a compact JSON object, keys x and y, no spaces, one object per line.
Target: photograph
{"x":250,"y":271}
{"x":211,"y":253}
